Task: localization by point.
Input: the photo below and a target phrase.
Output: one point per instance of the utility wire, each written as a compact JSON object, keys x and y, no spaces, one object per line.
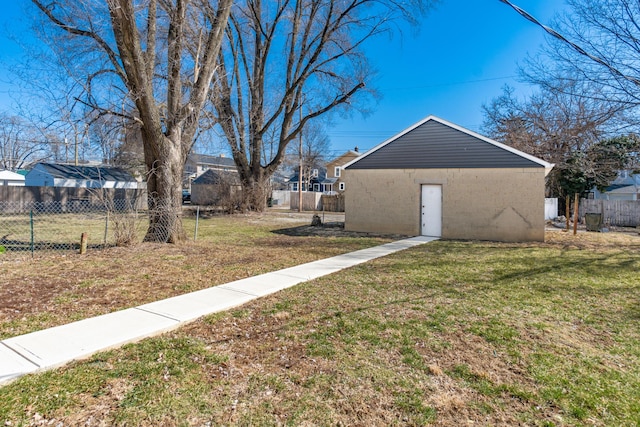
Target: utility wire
{"x":577,"y":48}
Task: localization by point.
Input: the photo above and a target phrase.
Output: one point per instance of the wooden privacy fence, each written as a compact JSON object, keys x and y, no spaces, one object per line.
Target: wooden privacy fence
{"x":620,"y":213}
{"x":311,"y":201}
{"x":314,"y":201}
{"x":333,"y":203}
{"x":17,"y":196}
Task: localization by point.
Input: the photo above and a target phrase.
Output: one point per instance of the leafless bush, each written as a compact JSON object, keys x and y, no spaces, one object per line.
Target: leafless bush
{"x":125,"y":226}
{"x":124,"y":218}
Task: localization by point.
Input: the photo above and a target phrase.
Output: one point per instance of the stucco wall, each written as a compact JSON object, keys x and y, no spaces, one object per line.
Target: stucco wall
{"x":483,"y":204}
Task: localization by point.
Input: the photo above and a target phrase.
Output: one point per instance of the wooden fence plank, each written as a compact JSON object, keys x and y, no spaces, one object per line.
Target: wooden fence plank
{"x":620,"y":213}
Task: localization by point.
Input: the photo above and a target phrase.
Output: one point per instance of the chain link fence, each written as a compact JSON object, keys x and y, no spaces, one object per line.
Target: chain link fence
{"x":37,"y":227}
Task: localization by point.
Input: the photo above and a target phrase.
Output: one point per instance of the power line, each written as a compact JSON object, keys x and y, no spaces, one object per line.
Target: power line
{"x":575,"y":47}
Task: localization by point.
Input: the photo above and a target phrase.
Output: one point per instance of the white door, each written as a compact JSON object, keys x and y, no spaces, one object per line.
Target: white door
{"x":431,"y":210}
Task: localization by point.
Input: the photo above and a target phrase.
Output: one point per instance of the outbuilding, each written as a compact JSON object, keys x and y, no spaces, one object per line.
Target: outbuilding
{"x":11,"y":178}
{"x":215,"y":188}
{"x":439,"y":179}
{"x":61,"y":175}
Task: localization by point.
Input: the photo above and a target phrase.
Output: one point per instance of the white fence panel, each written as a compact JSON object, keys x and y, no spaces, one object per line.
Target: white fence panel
{"x":550,"y":208}
{"x":281,"y":198}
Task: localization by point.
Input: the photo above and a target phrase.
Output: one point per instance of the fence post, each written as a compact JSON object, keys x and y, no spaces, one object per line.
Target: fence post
{"x":31,"y":225}
{"x":106,"y":228}
{"x":195,"y":233}
{"x":83,"y":243}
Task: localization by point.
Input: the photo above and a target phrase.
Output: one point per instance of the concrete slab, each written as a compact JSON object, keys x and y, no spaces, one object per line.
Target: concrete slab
{"x":285,"y":278}
{"x":188,"y":307}
{"x":311,"y":270}
{"x":264,"y":284}
{"x":56,"y":346}
{"x":12,"y":365}
{"x":364,"y":255}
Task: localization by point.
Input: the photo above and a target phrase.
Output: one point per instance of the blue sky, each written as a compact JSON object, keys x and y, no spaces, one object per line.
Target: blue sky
{"x":464,"y":53}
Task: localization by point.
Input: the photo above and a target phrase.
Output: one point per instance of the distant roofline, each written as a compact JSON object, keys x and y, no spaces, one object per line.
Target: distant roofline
{"x":220,"y":158}
{"x":62,"y":170}
{"x":346,"y":153}
{"x":534,"y":159}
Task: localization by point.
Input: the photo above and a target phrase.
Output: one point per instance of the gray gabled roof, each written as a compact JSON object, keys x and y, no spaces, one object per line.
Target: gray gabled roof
{"x":205,"y":159}
{"x":434,"y":143}
{"x":212,"y":177}
{"x":86,"y":173}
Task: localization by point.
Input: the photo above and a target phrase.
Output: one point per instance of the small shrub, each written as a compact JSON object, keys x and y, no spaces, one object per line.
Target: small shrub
{"x":125,"y":228}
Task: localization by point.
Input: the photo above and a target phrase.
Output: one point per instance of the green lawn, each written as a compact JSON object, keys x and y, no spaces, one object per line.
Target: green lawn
{"x":448,"y":333}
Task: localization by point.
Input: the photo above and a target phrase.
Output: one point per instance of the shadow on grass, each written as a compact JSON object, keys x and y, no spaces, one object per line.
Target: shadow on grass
{"x":332,"y":229}
{"x":458,"y":268}
{"x":40,"y":246}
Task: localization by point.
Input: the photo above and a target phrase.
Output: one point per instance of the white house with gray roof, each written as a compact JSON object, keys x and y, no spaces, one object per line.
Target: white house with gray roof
{"x":9,"y":178}
{"x":61,"y":175}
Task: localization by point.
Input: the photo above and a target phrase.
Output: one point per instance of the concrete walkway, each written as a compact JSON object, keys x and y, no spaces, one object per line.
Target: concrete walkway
{"x":54,"y":347}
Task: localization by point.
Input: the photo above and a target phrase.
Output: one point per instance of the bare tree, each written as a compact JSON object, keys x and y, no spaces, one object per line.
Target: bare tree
{"x":594,"y":44}
{"x":130,"y":152}
{"x":20,"y":143}
{"x":554,"y":126}
{"x":156,"y":58}
{"x":286,"y":63}
{"x":104,"y":134}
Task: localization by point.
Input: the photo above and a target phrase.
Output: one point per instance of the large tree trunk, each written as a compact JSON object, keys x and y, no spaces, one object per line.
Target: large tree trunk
{"x":256,"y":188}
{"x":164,"y":188}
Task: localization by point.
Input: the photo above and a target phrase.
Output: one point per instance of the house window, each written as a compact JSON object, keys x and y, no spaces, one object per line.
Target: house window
{"x":294,"y":187}
{"x":341,"y":187}
{"x":337,"y":171}
{"x":316,"y":187}
{"x":314,"y":173}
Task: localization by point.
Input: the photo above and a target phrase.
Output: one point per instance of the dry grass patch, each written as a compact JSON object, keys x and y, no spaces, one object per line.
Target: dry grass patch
{"x":58,"y":288}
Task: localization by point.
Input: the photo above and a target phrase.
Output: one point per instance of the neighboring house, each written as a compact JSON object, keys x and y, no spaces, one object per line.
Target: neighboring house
{"x":215,"y":188}
{"x":197,"y":164}
{"x":625,"y":187}
{"x":316,"y":182}
{"x":334,"y":183}
{"x":58,"y":175}
{"x":11,"y":178}
{"x":325,"y":180}
{"x":439,"y":179}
